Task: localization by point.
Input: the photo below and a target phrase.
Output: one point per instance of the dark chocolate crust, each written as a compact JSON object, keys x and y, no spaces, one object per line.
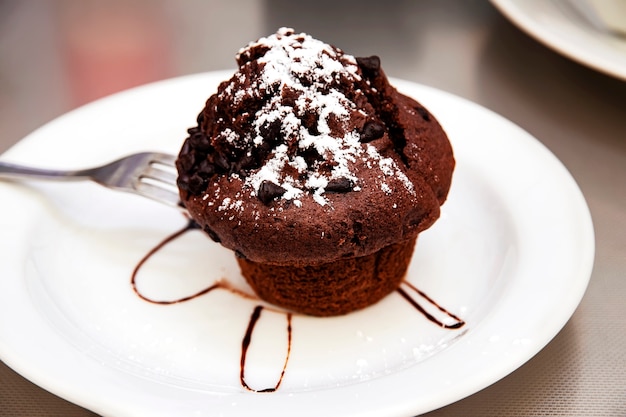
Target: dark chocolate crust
{"x":397,"y":182}
{"x":334,"y":288}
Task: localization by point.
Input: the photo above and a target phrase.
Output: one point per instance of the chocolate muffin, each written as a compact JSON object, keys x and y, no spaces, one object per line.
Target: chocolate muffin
{"x":316,"y":172}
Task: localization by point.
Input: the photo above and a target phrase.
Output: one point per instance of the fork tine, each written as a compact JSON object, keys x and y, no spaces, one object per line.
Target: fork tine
{"x":155,"y":172}
{"x":157,"y":192}
{"x":163,"y":159}
{"x":149,"y":174}
{"x":157,"y":180}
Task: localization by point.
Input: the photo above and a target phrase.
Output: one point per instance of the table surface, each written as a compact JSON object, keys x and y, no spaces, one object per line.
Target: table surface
{"x":57,"y":55}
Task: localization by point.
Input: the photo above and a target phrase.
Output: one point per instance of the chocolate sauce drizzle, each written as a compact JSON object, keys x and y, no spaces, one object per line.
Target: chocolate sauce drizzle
{"x":256,"y":313}
{"x":457,"y":325}
{"x":245,"y":344}
{"x":191,"y":225}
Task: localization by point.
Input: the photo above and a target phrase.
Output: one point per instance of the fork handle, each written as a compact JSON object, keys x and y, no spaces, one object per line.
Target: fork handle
{"x":14,"y":171}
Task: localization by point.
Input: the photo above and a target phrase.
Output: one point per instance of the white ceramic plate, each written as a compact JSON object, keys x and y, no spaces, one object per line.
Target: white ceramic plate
{"x":559,"y":25}
{"x":511,"y":256}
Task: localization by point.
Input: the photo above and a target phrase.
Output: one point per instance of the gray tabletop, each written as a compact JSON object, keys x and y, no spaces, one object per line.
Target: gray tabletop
{"x":57,"y":55}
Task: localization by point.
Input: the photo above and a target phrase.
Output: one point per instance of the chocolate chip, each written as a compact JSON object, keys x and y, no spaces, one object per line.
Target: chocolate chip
{"x":200,"y":141}
{"x":272,"y":132}
{"x":268,"y":191}
{"x":372,"y":131}
{"x":424,"y":113}
{"x":183,"y":182}
{"x":196,"y":184}
{"x":306,"y":79}
{"x":185,"y":162}
{"x":370,"y":65}
{"x":200,"y":118}
{"x":221,"y":161}
{"x":193,"y":184}
{"x":206,"y":169}
{"x":310,"y":156}
{"x":186,"y":147}
{"x":244,"y":163}
{"x":340,"y":185}
{"x":309,"y":121}
{"x":252,"y":54}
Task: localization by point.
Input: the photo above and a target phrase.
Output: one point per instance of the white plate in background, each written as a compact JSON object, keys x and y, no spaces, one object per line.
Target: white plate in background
{"x":559,"y":25}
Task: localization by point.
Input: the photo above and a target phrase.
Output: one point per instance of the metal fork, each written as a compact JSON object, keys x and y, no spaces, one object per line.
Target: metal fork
{"x":149,"y":174}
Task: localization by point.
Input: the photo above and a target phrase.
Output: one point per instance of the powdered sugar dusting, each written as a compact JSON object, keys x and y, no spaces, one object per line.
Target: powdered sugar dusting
{"x":302,"y":68}
{"x":390,"y":169}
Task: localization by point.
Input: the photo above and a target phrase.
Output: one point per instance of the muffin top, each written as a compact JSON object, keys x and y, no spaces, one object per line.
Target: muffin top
{"x":307,"y":155}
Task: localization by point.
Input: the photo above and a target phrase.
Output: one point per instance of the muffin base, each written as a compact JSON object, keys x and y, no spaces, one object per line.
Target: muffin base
{"x":334,"y":288}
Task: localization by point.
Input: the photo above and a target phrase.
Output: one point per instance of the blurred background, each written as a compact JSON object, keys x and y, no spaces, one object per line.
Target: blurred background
{"x":56,"y":55}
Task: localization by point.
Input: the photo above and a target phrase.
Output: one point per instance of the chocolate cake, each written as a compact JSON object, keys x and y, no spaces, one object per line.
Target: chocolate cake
{"x":316,"y":172}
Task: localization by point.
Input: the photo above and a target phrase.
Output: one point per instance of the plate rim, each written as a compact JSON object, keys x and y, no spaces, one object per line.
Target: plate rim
{"x":94,"y":403}
{"x":558,"y":41}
